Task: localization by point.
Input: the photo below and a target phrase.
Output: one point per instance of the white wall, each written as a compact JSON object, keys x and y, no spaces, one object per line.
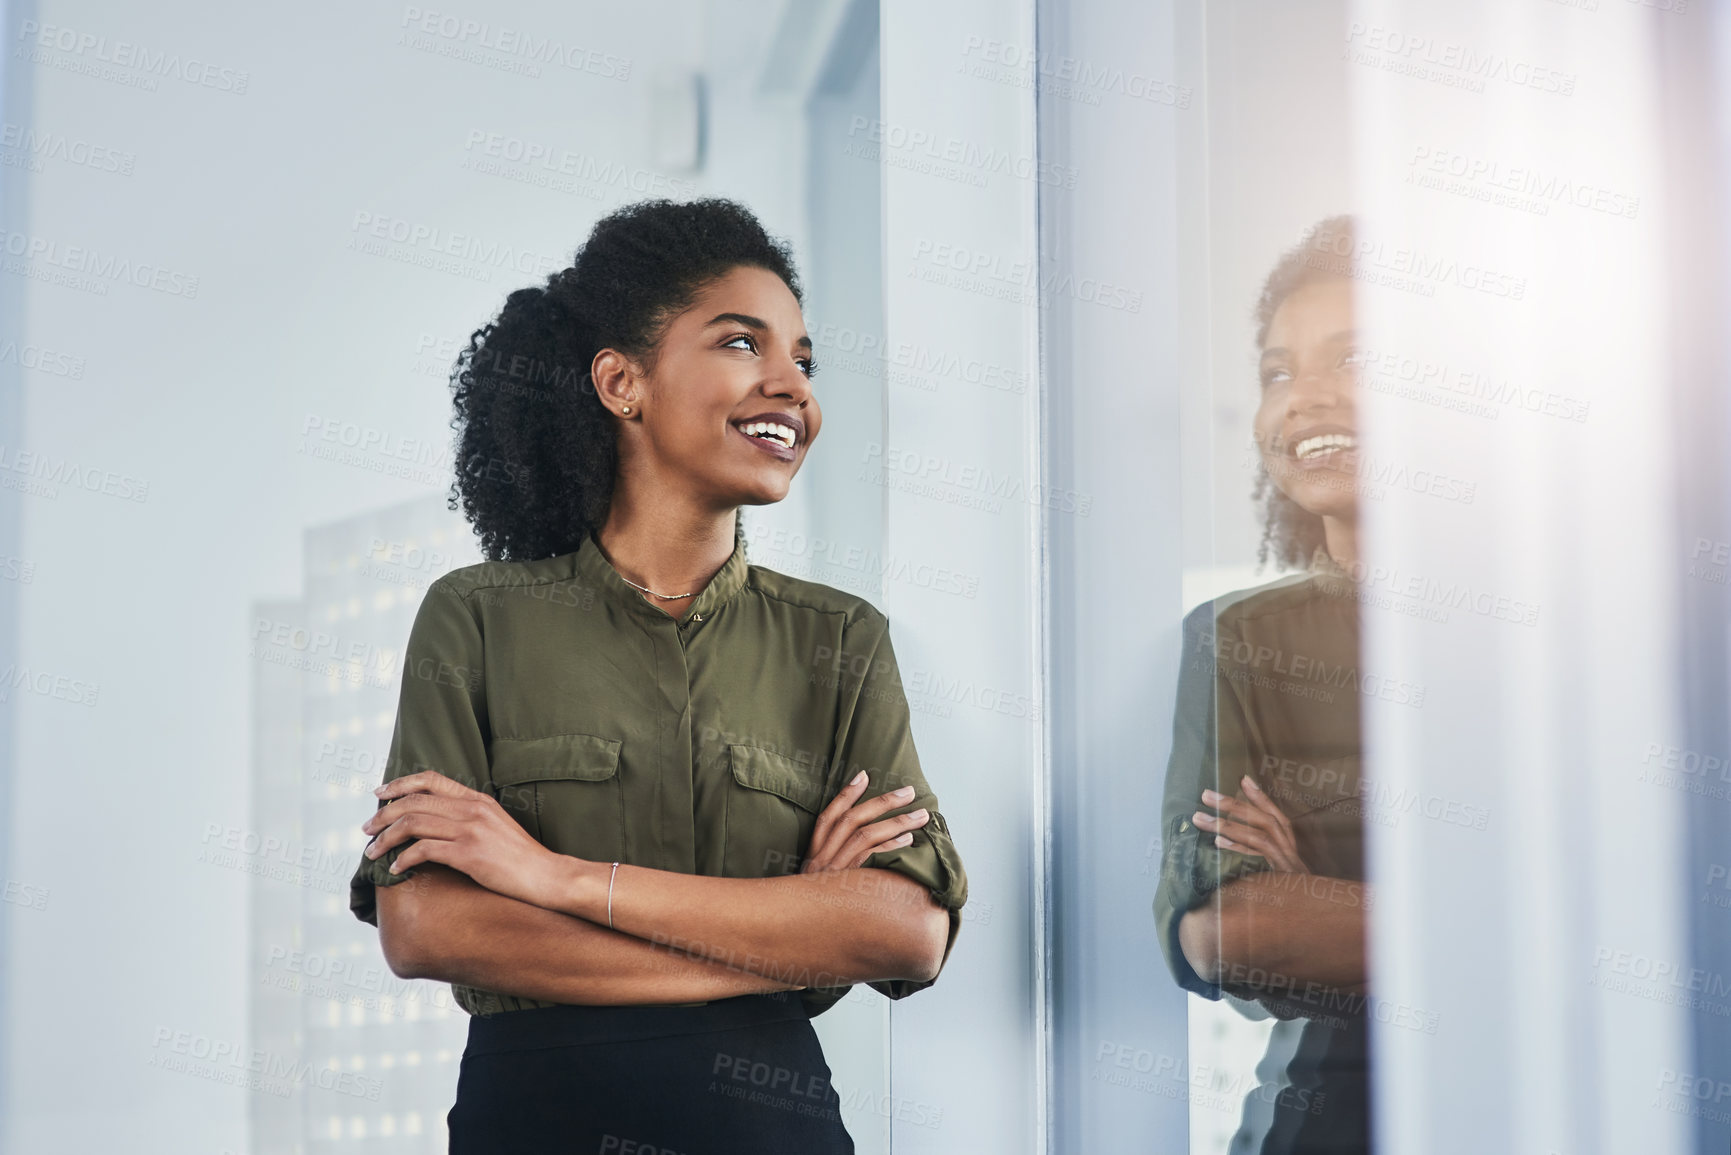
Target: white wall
{"x":207,"y":398}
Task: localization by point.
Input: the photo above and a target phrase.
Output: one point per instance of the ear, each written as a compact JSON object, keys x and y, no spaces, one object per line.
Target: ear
{"x":616,"y":379}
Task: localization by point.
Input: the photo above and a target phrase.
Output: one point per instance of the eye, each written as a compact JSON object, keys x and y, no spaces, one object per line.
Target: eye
{"x":1275,"y":375}
{"x":1353,"y":359}
{"x":805,"y":363}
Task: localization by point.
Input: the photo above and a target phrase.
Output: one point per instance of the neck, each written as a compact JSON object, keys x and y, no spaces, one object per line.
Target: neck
{"x":1341,"y":538}
{"x":672,"y":548}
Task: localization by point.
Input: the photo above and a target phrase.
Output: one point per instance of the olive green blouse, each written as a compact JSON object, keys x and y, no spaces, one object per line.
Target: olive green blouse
{"x":1269,"y":688}
{"x":704,"y":745}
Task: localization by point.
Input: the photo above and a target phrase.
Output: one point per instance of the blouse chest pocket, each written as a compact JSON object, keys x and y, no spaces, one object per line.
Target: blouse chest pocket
{"x":565,"y":791}
{"x":772,"y":805}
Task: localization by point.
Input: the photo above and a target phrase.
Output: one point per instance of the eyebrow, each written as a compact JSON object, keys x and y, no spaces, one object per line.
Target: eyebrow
{"x":751,"y":323}
{"x":1344,"y":334}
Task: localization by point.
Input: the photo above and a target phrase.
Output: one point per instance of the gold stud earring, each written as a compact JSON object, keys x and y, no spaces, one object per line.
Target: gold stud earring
{"x":627,"y":409}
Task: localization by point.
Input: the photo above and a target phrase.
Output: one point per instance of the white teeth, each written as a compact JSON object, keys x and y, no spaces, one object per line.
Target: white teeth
{"x":1327,"y":443}
{"x":775,"y":429}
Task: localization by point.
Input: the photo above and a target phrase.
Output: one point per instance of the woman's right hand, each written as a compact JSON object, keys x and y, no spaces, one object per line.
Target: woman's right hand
{"x":847,"y":832}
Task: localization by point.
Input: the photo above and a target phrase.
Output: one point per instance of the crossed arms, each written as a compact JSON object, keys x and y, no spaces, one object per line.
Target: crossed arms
{"x":490,"y":907}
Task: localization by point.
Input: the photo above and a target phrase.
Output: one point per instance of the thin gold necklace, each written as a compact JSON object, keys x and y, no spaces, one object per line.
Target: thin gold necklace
{"x":647,"y":590}
{"x":629,"y":582}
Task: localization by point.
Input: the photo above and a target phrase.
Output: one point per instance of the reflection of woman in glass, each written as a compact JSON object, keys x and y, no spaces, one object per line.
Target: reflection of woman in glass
{"x":659,"y":806}
{"x":1261,"y":893}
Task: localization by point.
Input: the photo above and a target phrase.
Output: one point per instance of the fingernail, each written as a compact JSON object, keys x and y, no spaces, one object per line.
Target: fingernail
{"x":1201,"y":819}
{"x":1249,"y":785}
{"x":920,"y":815}
{"x":379,"y":789}
{"x":903,"y":839}
{"x":1210,"y":797}
{"x":904,"y":792}
{"x":858,"y":778}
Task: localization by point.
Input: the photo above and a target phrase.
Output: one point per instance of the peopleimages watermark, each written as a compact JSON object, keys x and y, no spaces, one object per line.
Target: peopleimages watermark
{"x":121,"y":61}
{"x":560,"y":169}
{"x":409,"y":563}
{"x":41,"y":475}
{"x":190,"y":1053}
{"x":275,"y":857}
{"x":61,"y":687}
{"x":443,"y":249}
{"x":339,"y":979}
{"x":502,"y":46}
{"x":1661,"y":980}
{"x":983,"y":159}
{"x":87,"y":269}
{"x":1408,"y":269}
{"x":823,"y":551}
{"x":1065,"y":77}
{"x":24,"y":894}
{"x":974,"y":481}
{"x":1369,"y":476}
{"x":42,"y":360}
{"x":1018,"y":281}
{"x":1524,"y":187}
{"x":383,"y":451}
{"x":321,"y":653}
{"x":909,"y":363}
{"x":40,"y":144}
{"x":1691,"y":771}
{"x":1718,"y":878}
{"x":1448,"y":62}
{"x":1388,"y":370}
{"x":1239,"y":659}
{"x":1140,"y":1069}
{"x":1709,"y":559}
{"x":1361,"y":577}
{"x":1698,"y":1096}
{"x":1320,"y":785}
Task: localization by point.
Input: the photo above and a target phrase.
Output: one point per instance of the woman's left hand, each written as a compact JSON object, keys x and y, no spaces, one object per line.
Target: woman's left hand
{"x":1252,"y":824}
{"x":468,"y":831}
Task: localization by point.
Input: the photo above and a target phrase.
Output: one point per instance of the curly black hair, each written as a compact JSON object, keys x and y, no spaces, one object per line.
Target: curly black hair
{"x":536,"y":450}
{"x":1291,"y":533}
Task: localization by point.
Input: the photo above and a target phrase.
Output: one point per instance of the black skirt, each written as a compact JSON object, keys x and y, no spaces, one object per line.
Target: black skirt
{"x":740,"y":1075}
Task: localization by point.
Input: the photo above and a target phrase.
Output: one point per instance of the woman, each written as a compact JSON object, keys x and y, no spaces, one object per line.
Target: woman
{"x":658,"y":805}
{"x":1264,"y":900}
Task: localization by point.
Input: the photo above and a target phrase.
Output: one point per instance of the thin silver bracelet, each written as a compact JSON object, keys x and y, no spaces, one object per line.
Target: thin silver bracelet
{"x":610,"y":879}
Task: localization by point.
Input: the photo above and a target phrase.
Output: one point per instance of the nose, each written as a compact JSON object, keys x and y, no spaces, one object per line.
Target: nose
{"x":1316,"y":389}
{"x":791,"y":383}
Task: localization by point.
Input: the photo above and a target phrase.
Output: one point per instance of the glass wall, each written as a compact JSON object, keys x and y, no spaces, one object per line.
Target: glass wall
{"x":1419,"y":518}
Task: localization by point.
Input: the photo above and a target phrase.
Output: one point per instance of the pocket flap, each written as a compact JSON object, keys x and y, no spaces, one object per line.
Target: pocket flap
{"x":777,"y":774}
{"x":580,"y":757}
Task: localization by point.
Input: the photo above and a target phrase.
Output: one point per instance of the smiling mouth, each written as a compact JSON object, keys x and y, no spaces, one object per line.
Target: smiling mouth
{"x":773,"y":432}
{"x":1311,"y":448}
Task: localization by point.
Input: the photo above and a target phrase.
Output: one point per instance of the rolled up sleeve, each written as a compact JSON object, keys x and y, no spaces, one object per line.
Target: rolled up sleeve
{"x":441,"y":721}
{"x":1212,"y":748}
{"x":875,"y":734}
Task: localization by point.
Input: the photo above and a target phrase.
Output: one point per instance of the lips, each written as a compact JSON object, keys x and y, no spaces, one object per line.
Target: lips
{"x":1320,"y":446}
{"x":791,"y":420}
{"x":769,"y":443}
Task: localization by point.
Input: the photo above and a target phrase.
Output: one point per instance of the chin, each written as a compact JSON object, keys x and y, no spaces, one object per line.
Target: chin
{"x":762,"y":496}
{"x":1332,"y":498}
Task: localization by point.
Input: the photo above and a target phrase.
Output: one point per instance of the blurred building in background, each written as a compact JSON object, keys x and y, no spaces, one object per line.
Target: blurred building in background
{"x":353,"y":1058}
